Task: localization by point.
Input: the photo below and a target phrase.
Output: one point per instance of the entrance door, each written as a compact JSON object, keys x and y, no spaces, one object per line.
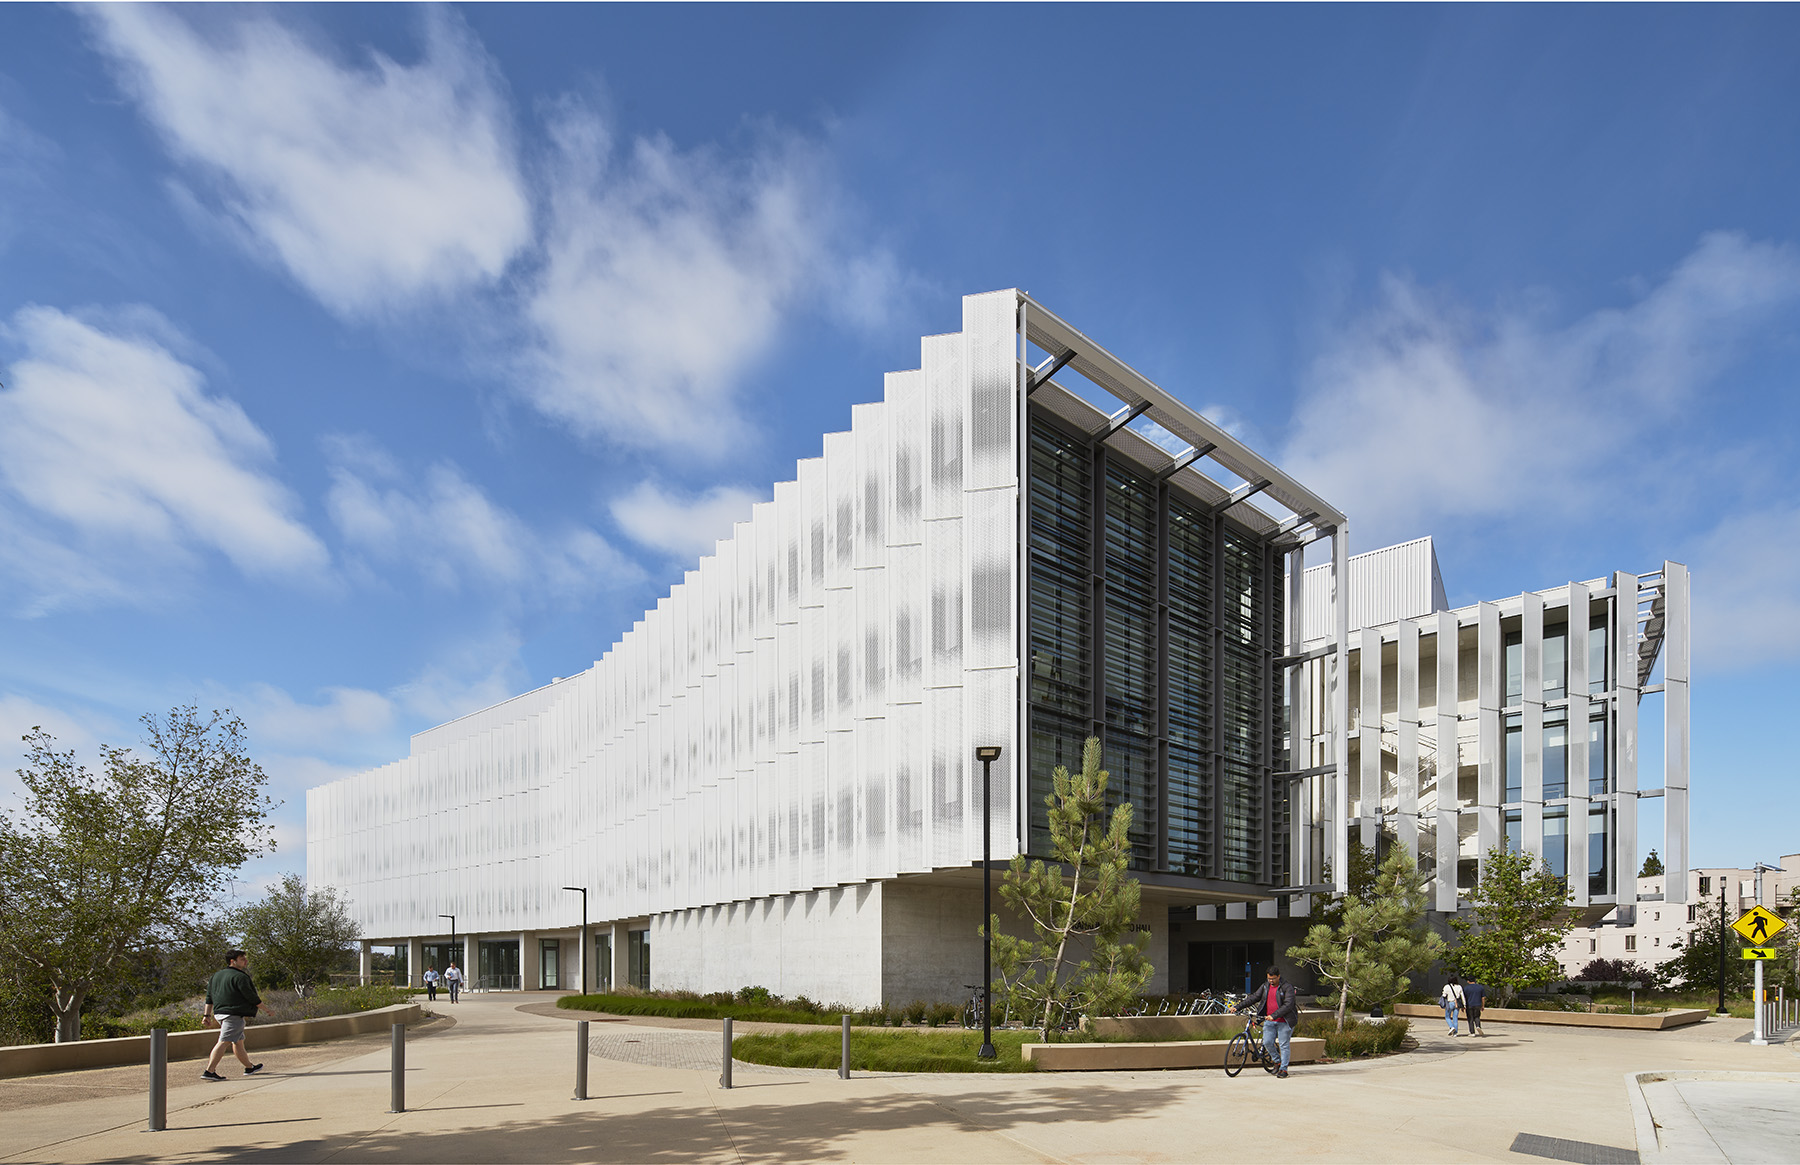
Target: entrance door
{"x":603,"y":963}
{"x":1228,"y":966}
{"x":549,"y":960}
{"x":499,"y":965}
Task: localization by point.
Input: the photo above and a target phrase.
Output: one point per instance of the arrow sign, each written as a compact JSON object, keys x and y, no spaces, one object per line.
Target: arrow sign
{"x":1758,"y":925}
{"x":1752,"y":953}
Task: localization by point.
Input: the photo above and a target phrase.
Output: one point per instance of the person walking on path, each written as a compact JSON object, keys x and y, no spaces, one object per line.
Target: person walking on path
{"x":453,"y":979}
{"x":1473,"y":994}
{"x":1277,"y":1003}
{"x":1452,"y":999}
{"x":231,"y":998}
{"x":431,"y":980}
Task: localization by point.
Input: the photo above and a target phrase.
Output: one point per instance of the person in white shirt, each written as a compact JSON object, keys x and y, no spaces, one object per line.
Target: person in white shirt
{"x":431,"y":982}
{"x":453,"y":979}
{"x":1452,"y":999}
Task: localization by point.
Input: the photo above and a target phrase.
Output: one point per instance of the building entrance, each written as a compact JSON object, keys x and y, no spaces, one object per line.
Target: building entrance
{"x":1228,"y":966}
{"x":499,"y":965}
{"x":549,"y":956}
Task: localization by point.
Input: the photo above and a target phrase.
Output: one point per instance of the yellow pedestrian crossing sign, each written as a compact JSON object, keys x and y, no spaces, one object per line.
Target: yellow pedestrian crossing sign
{"x":1751,"y":953}
{"x":1758,"y":925}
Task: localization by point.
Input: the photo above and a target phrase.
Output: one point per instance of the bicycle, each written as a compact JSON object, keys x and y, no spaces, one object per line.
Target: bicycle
{"x":975,"y":1010}
{"x":1245,"y":1048}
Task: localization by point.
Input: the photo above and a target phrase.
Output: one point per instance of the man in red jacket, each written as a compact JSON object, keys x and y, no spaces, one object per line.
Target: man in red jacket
{"x":1277,"y":1002}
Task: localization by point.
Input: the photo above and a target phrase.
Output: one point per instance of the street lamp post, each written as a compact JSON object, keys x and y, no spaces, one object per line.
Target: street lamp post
{"x":987,"y":755}
{"x":452,"y":919}
{"x":582,"y":890}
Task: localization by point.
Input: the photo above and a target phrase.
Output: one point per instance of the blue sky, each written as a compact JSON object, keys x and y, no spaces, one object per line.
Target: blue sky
{"x":364,"y":365}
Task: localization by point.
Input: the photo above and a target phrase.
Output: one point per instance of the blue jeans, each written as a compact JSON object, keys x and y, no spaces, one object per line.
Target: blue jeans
{"x":1274,"y":1032}
{"x":1450,"y":1017}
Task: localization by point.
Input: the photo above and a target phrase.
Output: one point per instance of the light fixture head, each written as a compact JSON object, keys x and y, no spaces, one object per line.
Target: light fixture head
{"x":988,"y":752}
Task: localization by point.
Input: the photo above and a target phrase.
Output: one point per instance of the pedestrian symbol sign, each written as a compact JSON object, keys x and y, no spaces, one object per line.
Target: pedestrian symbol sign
{"x":1751,"y":953}
{"x":1758,"y":925}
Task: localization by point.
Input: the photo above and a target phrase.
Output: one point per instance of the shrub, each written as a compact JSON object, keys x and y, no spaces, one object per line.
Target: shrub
{"x":939,"y":1014}
{"x":886,"y":1051}
{"x":691,"y":1006}
{"x":1359,"y":1037}
{"x":756,"y":996}
{"x":1619,"y":971}
{"x":914,"y":1012}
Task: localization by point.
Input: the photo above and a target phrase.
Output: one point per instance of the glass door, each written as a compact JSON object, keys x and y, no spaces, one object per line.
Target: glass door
{"x":549,"y":958}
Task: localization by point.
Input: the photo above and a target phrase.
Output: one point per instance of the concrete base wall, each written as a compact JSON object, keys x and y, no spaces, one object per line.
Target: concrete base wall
{"x":887,"y":942}
{"x":825,"y":945}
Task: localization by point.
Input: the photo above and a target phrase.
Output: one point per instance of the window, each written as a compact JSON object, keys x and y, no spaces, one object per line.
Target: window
{"x":1656,"y":942}
{"x":1705,"y":888}
{"x":1556,"y":841}
{"x":1515,"y":759}
{"x":1693,"y":914}
{"x":1593,"y":943}
{"x":1631,"y":942}
{"x":1515,"y":832}
{"x":1597,"y":657}
{"x":1556,"y":758}
{"x":1515,"y":665}
{"x":603,"y":963}
{"x":637,"y":955}
{"x":1656,"y":916}
{"x":1556,"y":662}
{"x":1597,"y":785}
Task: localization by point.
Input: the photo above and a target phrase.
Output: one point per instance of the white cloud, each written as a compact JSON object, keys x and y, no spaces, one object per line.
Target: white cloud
{"x":1421,"y":413}
{"x":371,"y":184}
{"x":682,"y":526}
{"x":446,"y":527}
{"x":108,"y":434}
{"x":1746,"y":590}
{"x":666,"y":274}
{"x":346,"y":716}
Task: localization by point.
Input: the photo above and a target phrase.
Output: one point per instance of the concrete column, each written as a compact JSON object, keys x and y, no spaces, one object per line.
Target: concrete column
{"x":471,"y":960}
{"x":415,"y":962}
{"x":1449,"y":760}
{"x":582,"y":981}
{"x":365,"y":961}
{"x":1490,"y":655}
{"x":1677,"y":651}
{"x":529,"y":962}
{"x":620,"y":963}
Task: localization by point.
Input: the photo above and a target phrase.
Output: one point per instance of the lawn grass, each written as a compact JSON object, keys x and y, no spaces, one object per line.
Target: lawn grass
{"x":887,"y":1051}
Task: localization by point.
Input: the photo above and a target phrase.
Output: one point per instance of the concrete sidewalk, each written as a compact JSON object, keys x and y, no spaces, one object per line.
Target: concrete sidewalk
{"x":496,"y":1087}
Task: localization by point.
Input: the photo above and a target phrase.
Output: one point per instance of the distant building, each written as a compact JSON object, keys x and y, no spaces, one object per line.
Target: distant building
{"x":1649,"y":934}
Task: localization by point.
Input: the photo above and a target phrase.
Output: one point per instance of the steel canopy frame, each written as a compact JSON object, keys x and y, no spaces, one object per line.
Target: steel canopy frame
{"x":1142,"y":396}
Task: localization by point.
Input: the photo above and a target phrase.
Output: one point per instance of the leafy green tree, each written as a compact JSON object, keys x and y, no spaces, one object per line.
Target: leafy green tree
{"x":1516,"y":927}
{"x":96,"y":868}
{"x":1092,"y":911}
{"x":1379,"y":939}
{"x":1653,"y":866}
{"x":295,"y":936}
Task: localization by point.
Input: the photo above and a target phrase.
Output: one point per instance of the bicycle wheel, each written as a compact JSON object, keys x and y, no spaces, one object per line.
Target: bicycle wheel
{"x":1237,"y":1054}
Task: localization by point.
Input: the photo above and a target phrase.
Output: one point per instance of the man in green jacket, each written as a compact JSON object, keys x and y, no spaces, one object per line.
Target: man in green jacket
{"x":231,"y":997}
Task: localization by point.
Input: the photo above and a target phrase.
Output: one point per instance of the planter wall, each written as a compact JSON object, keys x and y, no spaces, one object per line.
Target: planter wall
{"x":1168,"y":1054}
{"x":25,"y":1059}
{"x":1651,"y":1021}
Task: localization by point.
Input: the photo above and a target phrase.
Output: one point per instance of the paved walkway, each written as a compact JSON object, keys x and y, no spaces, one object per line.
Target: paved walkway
{"x":496,"y":1087}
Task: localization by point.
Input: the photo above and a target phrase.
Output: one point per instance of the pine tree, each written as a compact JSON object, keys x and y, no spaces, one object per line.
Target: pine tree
{"x":1379,"y":940}
{"x":1653,"y":866}
{"x":1087,"y":953}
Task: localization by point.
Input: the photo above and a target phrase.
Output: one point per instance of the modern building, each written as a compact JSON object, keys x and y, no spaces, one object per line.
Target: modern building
{"x":770,"y":778}
{"x":1525,"y":734}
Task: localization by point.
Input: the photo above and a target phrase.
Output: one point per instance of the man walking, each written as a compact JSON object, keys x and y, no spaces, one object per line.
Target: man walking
{"x":1473,"y":994}
{"x":1277,"y":1002}
{"x":431,"y":980}
{"x":231,"y":998}
{"x":453,"y":979}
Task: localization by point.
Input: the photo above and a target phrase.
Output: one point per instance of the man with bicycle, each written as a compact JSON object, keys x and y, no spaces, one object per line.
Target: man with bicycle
{"x":1277,"y":1004}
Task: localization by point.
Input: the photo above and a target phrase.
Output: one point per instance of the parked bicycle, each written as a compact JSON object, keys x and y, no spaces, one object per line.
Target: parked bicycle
{"x":1246,"y":1047}
{"x":974,"y":1012}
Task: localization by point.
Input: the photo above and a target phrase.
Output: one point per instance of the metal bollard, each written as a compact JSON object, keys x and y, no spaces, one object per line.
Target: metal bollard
{"x":725,"y":1071}
{"x":581,"y":1055}
{"x":159,"y":1079}
{"x":844,"y":1059}
{"x":397,"y":1088}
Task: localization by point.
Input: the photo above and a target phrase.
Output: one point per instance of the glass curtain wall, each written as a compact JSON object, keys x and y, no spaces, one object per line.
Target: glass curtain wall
{"x":1152,"y":625}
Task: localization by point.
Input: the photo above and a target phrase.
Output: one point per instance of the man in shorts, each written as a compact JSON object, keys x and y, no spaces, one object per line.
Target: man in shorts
{"x":231,"y":998}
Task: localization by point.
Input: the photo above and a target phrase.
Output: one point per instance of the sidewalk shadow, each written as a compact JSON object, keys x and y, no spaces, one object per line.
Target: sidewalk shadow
{"x":823,"y":1129}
